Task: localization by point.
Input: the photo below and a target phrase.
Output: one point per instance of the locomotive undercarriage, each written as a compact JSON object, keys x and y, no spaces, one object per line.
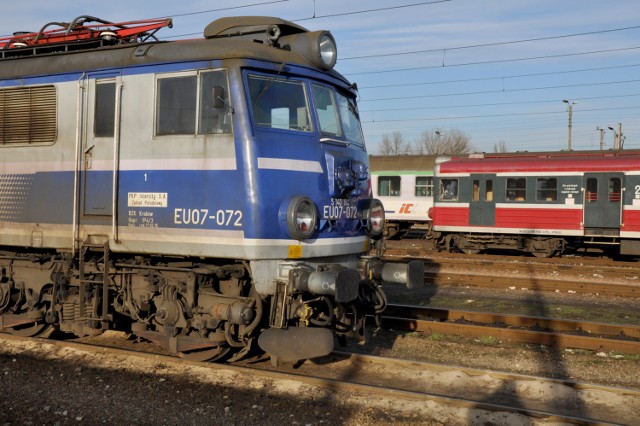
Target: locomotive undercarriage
{"x":195,"y":309}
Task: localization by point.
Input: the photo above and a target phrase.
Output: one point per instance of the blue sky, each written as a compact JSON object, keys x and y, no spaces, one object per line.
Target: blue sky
{"x":443,"y":65}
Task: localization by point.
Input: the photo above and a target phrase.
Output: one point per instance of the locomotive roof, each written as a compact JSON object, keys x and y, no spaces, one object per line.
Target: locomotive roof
{"x":219,"y":45}
{"x":388,"y":163}
{"x":543,"y":162}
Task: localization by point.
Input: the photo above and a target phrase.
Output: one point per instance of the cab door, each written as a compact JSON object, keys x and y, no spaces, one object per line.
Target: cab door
{"x":482,"y":205}
{"x":602,"y":203}
{"x":98,"y":148}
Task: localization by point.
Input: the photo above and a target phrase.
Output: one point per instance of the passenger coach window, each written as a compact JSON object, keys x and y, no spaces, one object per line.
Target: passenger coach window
{"x":615,"y":189}
{"x":516,"y":189}
{"x":592,"y":190}
{"x":546,"y":189}
{"x":105,"y":110}
{"x":180,"y":113}
{"x":279,"y":104}
{"x":488,"y":196}
{"x":389,"y":186}
{"x":424,"y":186}
{"x":448,"y":189}
{"x":476,"y":191}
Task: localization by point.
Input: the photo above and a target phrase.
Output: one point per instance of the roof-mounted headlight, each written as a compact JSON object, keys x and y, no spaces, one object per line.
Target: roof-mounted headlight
{"x":300,"y":217}
{"x":328,"y":49}
{"x":319,"y":47}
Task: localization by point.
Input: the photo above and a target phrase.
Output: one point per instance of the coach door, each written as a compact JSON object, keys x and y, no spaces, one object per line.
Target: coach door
{"x":482,"y":206}
{"x":602,"y":203}
{"x":99,"y":147}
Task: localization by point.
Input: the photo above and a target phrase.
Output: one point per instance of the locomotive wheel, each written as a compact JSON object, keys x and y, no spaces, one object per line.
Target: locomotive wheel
{"x":543,"y":254}
{"x":206,"y":355}
{"x":36,"y":329}
{"x":30,"y":323}
{"x":470,"y":251}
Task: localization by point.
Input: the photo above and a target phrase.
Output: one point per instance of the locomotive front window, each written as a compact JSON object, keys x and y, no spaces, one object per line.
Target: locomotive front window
{"x":279,"y":104}
{"x":516,"y":189}
{"x":389,"y":186}
{"x":337,"y":114}
{"x":448,"y":190}
{"x":546,"y":189}
{"x":424,"y":186}
{"x":326,"y":107}
{"x":350,"y":119}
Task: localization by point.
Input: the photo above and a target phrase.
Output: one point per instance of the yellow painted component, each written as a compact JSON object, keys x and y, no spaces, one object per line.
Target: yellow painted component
{"x":295,"y":252}
{"x":305,"y":313}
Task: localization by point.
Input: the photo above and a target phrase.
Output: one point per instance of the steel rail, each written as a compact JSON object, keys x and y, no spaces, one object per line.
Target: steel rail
{"x":491,"y":275}
{"x":414,"y":319}
{"x":509,"y":320}
{"x":531,"y":283}
{"x":617,"y":269}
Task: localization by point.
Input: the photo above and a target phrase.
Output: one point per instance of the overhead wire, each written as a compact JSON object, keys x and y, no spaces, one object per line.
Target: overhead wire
{"x":497,"y":43}
{"x":506,"y":77}
{"x":504,"y":90}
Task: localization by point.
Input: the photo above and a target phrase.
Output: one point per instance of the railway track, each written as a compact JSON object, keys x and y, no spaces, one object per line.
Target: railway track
{"x":515,"y":328}
{"x":445,"y":393}
{"x":551,"y":275}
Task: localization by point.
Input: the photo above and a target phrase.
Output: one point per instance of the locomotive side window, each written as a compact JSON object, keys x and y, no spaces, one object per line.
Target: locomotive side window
{"x":389,"y":186}
{"x":424,"y":186}
{"x":516,"y":189}
{"x":105,"y":109}
{"x":28,"y":115}
{"x":546,"y":189}
{"x":215,"y":114}
{"x":178,"y":110}
{"x":592,"y":190}
{"x":615,"y":190}
{"x":475,"y":196}
{"x":448,"y":189}
{"x":279,"y":104}
{"x":177,"y":105}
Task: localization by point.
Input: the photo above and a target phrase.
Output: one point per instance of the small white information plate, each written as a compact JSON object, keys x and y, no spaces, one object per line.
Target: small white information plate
{"x":147,"y":199}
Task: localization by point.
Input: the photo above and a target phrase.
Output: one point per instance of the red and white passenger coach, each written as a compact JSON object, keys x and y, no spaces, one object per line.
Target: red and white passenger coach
{"x":538,"y":203}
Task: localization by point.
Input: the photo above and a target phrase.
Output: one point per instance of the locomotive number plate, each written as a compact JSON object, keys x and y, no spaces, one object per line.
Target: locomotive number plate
{"x":341,"y":209}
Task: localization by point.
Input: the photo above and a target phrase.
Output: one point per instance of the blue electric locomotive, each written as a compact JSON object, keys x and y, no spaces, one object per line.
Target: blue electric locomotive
{"x":202,"y":194}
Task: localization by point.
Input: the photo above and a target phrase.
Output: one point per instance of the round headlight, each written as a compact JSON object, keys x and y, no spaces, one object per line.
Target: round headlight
{"x":328,"y":50}
{"x":302,"y":218}
{"x":375,"y":216}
